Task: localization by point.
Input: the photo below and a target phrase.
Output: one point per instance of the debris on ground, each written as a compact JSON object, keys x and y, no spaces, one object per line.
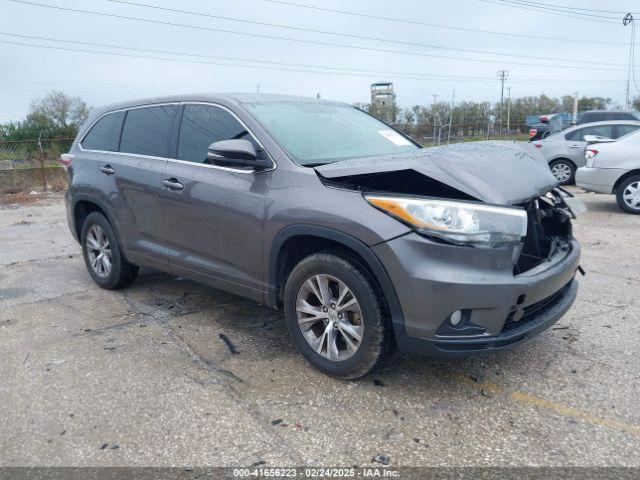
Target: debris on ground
{"x":277,"y":421}
{"x":378,"y":383}
{"x":381,"y":458}
{"x":230,"y":345}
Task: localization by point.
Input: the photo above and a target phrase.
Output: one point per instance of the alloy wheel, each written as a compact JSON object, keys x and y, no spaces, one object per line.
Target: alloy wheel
{"x":631,"y":195}
{"x":99,"y":251}
{"x":561,"y":171}
{"x":329,"y":317}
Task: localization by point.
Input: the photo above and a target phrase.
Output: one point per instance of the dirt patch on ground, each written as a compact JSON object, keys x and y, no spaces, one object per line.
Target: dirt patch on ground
{"x":20,"y":198}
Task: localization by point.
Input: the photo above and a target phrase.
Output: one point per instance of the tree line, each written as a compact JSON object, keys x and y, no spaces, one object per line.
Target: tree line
{"x":58,"y":115}
{"x":470,"y":118}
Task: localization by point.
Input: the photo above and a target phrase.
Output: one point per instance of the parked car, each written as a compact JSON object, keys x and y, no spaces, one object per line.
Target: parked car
{"x":365,"y":240}
{"x":613,"y":167}
{"x":541,"y":126}
{"x":545,"y":127}
{"x":564,"y":151}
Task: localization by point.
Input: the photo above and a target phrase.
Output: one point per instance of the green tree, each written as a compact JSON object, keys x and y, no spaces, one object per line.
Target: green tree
{"x":57,"y":110}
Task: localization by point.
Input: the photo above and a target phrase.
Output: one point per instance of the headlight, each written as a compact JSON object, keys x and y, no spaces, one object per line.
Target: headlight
{"x":458,"y":222}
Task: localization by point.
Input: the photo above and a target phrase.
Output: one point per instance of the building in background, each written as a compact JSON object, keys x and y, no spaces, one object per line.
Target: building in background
{"x":383,"y":101}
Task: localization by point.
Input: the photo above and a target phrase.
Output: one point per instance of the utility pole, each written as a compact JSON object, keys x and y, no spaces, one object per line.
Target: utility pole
{"x":433,"y":107}
{"x":453,"y":96}
{"x":628,"y":19}
{"x":574,"y":119}
{"x":508,"y":110}
{"x":258,"y":88}
{"x":502,"y":76}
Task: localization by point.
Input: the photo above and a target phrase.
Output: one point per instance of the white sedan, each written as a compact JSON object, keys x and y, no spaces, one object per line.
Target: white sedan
{"x":613,"y":167}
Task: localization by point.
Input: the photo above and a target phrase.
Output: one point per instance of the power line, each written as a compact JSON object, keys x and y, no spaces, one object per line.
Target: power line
{"x":435,"y":25}
{"x":342,"y":34}
{"x":324,"y":43}
{"x":201,"y":62}
{"x":248,"y":60}
{"x":270,"y":65}
{"x":571,"y":7}
{"x":552,"y":11}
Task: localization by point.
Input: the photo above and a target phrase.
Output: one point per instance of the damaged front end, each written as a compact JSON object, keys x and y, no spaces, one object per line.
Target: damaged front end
{"x":549,"y":232}
{"x":539,"y":230}
{"x":491,"y":259}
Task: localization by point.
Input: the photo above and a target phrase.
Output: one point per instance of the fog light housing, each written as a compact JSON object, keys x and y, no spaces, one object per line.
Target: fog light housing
{"x":455,"y":318}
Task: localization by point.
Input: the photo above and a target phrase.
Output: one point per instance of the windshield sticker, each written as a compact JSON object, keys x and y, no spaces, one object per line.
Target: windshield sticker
{"x":394,"y":137}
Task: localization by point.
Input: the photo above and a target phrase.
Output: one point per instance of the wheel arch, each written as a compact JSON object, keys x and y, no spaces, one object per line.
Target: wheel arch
{"x":307,"y":239}
{"x":630,"y":173}
{"x":82,"y":206}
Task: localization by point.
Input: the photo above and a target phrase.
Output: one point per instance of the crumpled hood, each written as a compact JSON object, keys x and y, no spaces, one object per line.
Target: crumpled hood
{"x":497,"y":172}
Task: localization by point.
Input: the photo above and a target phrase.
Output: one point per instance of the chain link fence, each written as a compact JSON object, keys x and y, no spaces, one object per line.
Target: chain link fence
{"x":28,"y":165}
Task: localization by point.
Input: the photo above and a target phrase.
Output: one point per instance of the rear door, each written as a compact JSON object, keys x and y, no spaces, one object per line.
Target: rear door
{"x":575,"y":143}
{"x":137,"y":171}
{"x":214,"y":214}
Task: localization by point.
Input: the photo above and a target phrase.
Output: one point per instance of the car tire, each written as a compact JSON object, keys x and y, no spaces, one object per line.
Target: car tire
{"x":102,"y":254}
{"x":326,"y":272}
{"x":627,"y":189}
{"x":564,"y":171}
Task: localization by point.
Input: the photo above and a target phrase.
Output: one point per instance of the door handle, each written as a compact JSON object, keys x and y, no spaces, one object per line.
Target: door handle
{"x":107,"y":170}
{"x":172,"y":184}
{"x":575,"y":145}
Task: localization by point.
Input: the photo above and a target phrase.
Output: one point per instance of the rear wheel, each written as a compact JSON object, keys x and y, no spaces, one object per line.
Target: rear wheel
{"x":102,"y":255}
{"x":564,"y":171}
{"x":334,"y":316}
{"x":628,"y":195}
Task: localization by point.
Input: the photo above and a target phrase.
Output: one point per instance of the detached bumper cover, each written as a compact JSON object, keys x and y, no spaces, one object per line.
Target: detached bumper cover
{"x":519,"y":333}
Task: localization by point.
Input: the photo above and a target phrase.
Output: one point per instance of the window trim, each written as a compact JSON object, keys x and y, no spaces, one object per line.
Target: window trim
{"x":124,"y":109}
{"x":175,"y":130}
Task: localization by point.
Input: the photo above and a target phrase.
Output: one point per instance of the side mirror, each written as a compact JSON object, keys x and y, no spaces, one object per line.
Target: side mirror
{"x":235,"y":153}
{"x":597,"y":139}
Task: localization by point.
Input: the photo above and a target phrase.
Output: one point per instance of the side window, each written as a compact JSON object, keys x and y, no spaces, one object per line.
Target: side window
{"x":622,"y":130}
{"x":601,"y":131}
{"x":576,"y":135}
{"x":201,"y":126}
{"x":105,"y":134}
{"x":147,"y":131}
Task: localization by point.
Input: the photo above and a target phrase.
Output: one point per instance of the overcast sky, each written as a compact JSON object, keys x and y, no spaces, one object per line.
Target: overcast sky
{"x":595,"y":48}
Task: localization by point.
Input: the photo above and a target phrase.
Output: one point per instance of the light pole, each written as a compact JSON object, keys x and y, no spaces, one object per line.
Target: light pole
{"x":628,"y":19}
{"x":502,"y":76}
{"x":508,"y":110}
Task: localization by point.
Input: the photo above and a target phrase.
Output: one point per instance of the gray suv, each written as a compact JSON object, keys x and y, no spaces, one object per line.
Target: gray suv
{"x":365,"y":240}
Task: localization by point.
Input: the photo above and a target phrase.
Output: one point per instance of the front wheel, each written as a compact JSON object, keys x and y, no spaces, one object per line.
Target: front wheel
{"x":564,"y":171}
{"x":628,"y":195}
{"x":334,"y":316}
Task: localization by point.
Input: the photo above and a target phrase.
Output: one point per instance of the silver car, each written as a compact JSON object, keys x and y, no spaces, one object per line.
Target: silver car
{"x":564,"y":151}
{"x":613,"y":167}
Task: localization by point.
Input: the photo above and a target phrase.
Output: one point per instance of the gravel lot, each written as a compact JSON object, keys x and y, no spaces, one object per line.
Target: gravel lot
{"x":142,"y":377}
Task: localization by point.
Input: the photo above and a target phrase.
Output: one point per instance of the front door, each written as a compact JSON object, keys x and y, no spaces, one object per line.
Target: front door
{"x":213,"y":215}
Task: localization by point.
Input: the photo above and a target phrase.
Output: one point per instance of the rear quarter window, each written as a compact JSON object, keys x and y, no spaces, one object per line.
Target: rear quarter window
{"x":105,"y":134}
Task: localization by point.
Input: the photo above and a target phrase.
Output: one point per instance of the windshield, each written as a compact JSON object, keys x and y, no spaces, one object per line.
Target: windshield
{"x":316,"y":133}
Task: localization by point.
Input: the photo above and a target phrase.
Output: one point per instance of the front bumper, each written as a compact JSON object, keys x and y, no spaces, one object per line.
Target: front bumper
{"x":599,"y":180}
{"x":432,"y":280}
